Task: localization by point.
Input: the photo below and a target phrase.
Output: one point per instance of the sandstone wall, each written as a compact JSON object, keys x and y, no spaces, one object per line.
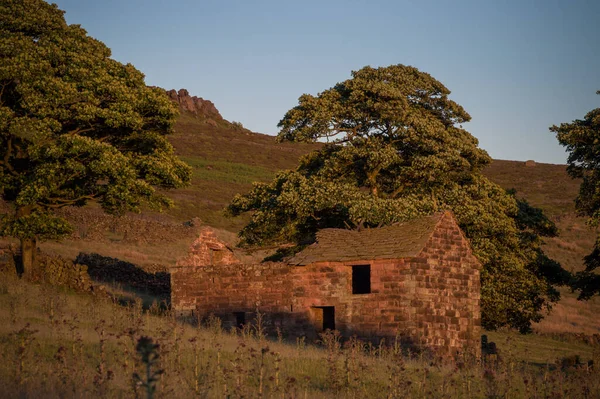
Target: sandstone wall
{"x":224,"y":289}
{"x":447,"y":290}
{"x":208,"y":250}
{"x":381,"y":313}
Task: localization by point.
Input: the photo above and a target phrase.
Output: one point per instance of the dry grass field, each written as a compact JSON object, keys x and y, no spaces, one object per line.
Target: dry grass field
{"x":56,"y":343}
{"x":550,"y":188}
{"x":65,"y":344}
{"x":226,"y":160}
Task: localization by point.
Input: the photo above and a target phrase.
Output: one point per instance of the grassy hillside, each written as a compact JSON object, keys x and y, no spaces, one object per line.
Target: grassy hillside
{"x":226,"y":159}
{"x":549,"y":187}
{"x":57,"y":344}
{"x":66,"y":344}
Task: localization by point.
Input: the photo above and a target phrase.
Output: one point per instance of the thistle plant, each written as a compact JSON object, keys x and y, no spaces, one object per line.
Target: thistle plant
{"x":24,"y":340}
{"x":148,"y":351}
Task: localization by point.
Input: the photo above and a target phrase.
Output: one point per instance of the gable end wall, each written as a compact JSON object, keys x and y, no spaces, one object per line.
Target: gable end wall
{"x":447,"y":290}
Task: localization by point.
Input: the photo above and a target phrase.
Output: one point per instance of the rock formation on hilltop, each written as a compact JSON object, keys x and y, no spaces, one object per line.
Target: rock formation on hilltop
{"x":196,"y":105}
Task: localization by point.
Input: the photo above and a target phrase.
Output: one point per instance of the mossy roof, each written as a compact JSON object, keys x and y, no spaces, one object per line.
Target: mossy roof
{"x":402,"y":240}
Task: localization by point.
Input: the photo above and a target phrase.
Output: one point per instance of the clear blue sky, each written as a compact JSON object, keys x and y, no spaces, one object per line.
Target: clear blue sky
{"x":516,"y":66}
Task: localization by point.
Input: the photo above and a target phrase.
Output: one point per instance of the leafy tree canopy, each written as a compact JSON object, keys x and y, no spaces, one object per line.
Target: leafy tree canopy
{"x":75,"y":125}
{"x":396,"y":149}
{"x":582,"y":141}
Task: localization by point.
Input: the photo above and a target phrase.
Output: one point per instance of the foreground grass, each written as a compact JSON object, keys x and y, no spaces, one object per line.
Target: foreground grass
{"x":62,"y":344}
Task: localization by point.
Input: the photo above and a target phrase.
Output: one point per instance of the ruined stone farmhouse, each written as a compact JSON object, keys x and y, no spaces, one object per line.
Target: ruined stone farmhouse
{"x":416,"y":280}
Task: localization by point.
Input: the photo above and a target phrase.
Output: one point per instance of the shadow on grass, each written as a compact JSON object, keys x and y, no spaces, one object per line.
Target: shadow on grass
{"x":149,"y":287}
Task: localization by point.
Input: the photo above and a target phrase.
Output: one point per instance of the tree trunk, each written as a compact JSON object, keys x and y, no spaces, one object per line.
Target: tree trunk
{"x":28,"y":248}
{"x":28,"y":258}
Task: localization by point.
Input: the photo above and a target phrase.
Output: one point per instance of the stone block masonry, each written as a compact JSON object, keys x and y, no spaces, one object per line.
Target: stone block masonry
{"x":418,"y":281}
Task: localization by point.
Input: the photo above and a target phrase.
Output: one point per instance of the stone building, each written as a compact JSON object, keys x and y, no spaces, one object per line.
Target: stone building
{"x":416,"y":280}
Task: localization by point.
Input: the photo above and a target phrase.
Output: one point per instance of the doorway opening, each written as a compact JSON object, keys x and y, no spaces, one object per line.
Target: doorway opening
{"x":324,"y":317}
{"x":240,"y":319}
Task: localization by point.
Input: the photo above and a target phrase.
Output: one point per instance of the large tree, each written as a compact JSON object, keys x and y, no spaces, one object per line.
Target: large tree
{"x":582,"y":141}
{"x":75,"y":126}
{"x":396,"y":149}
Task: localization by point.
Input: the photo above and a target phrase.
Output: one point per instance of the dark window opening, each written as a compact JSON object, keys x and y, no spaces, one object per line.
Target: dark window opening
{"x":240,"y":319}
{"x":361,"y":279}
{"x":328,"y":318}
{"x":324,"y":318}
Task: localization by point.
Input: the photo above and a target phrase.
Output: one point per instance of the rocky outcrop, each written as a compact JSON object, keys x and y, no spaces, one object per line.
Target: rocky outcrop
{"x":196,"y":105}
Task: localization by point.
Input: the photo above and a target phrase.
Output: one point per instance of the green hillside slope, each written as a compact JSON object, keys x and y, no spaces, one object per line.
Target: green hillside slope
{"x":227,"y":159}
{"x":549,"y":187}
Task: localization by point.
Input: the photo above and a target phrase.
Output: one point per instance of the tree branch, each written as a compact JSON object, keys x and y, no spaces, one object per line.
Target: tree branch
{"x":79,"y":131}
{"x":6,"y":160}
{"x":60,"y":202}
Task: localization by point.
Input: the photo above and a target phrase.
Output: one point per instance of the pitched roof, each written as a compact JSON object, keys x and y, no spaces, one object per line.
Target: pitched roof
{"x":403,"y":240}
